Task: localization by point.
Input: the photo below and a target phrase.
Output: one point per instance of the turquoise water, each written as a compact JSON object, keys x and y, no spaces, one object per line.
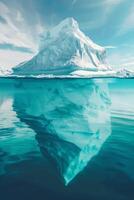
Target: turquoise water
{"x":30,"y":164}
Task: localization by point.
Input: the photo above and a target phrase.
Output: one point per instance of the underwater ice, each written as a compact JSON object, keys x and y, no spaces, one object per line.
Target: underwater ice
{"x":71,"y":118}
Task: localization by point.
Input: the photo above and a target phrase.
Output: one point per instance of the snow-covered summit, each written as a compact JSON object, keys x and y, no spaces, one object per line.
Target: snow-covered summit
{"x":63,"y":50}
{"x":69,"y":27}
{"x":67,"y":24}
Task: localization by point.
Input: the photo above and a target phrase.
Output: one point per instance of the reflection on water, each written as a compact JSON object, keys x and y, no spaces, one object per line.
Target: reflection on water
{"x":50,"y":130}
{"x":71,"y":119}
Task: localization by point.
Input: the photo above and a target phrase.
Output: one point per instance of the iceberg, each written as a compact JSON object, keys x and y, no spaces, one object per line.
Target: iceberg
{"x":71,"y":119}
{"x":125,"y":73}
{"x":63,"y":50}
{"x":4,"y":71}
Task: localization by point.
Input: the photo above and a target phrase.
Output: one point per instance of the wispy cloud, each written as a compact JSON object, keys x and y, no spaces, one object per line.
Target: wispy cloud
{"x":14,"y":58}
{"x":10,"y":33}
{"x":128,"y":22}
{"x":17,"y":42}
{"x":99,"y":3}
{"x":74,"y":2}
{"x":110,"y":47}
{"x":2,"y":20}
{"x":12,"y":47}
{"x":121,"y":57}
{"x":105,"y":9}
{"x":17,"y":31}
{"x":19,"y":17}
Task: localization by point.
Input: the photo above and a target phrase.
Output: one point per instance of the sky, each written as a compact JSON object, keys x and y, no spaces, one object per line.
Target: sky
{"x":109,"y":23}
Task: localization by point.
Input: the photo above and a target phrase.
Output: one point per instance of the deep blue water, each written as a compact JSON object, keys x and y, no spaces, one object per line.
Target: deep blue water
{"x":25,"y":172}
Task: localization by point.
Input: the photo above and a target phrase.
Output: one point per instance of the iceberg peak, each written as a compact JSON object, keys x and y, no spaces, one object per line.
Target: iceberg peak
{"x":68,"y":22}
{"x":63,"y":50}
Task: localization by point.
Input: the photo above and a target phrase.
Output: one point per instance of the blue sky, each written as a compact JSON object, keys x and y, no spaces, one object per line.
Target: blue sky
{"x":109,"y":23}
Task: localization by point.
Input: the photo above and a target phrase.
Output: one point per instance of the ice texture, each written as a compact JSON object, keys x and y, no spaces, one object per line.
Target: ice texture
{"x":64,"y":49}
{"x":4,"y":71}
{"x":71,"y":118}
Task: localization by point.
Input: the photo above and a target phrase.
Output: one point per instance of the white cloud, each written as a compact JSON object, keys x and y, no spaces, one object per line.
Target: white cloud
{"x":110,"y":47}
{"x":121,"y":57}
{"x":113,"y":2}
{"x":10,"y":58}
{"x":106,"y":7}
{"x":16,"y":36}
{"x":17,"y":30}
{"x":3,"y":9}
{"x":10,"y":33}
{"x":74,"y":2}
{"x":128,"y":23}
{"x":19,"y":17}
{"x":99,"y":3}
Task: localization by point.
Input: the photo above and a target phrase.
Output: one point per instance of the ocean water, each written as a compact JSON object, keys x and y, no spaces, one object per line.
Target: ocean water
{"x":28,"y":151}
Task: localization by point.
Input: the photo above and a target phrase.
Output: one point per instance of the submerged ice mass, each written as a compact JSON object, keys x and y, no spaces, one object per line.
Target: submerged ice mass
{"x":63,"y":50}
{"x":71,"y":118}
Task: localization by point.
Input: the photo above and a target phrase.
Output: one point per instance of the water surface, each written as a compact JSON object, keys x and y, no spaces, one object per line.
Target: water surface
{"x":27,"y":171}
